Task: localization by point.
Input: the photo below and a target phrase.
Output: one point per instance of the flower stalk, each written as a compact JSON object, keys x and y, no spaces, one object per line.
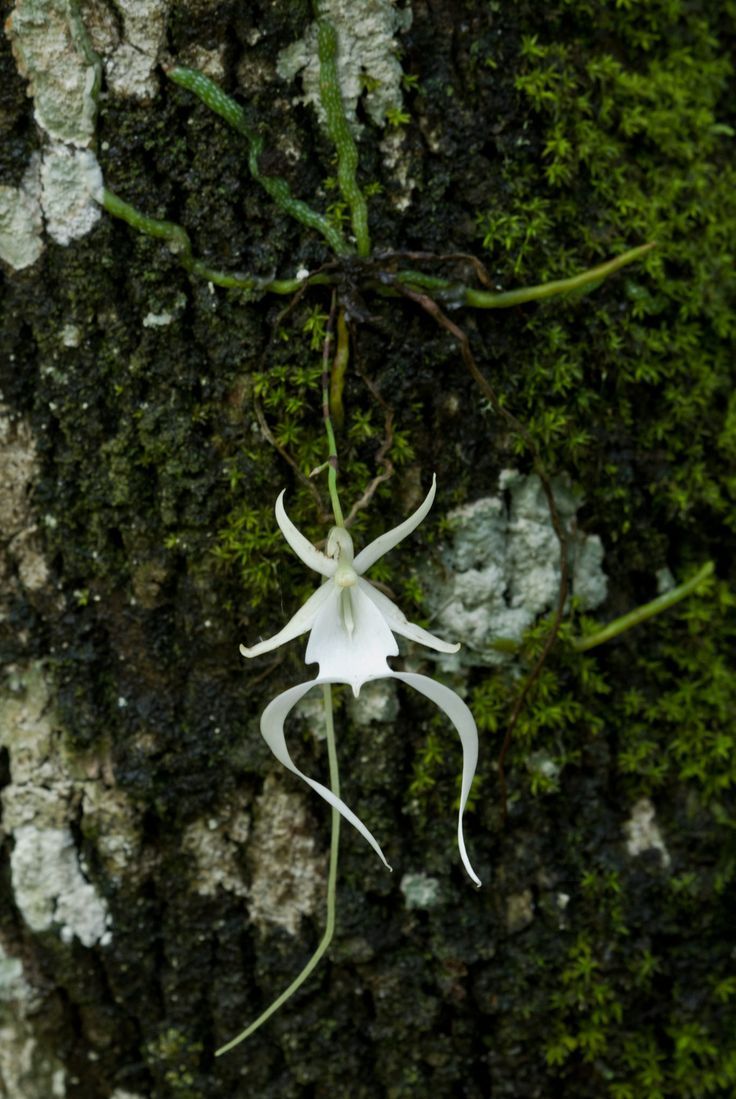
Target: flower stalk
{"x":332,"y":460}
{"x":331,"y":890}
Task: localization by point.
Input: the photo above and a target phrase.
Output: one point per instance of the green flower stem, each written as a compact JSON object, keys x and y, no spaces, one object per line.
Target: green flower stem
{"x":641,"y":614}
{"x":178,"y":241}
{"x":339,"y":366}
{"x":214,"y":98}
{"x":332,"y":462}
{"x":331,"y":888}
{"x":340,"y":135}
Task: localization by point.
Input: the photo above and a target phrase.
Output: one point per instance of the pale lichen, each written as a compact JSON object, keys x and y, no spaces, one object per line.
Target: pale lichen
{"x":368,"y":63}
{"x":53,"y":53}
{"x":501,"y":567}
{"x":26,"y":1071}
{"x":68,"y":205}
{"x":377,"y":702}
{"x":420,"y":891}
{"x":131,"y":60}
{"x":215,"y":846}
{"x":50,"y":889}
{"x":21,"y":221}
{"x":643,"y":834}
{"x":288,"y":870}
{"x":49,"y":886}
{"x":20,"y":547}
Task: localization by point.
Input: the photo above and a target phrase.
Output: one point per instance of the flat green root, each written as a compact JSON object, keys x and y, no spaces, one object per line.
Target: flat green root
{"x":216,"y":99}
{"x":641,"y":614}
{"x":178,"y":241}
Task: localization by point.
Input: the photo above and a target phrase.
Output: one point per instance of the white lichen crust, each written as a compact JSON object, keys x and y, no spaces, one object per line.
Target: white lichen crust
{"x":26,"y":1070}
{"x":21,"y":221}
{"x":50,"y":888}
{"x":53,"y":54}
{"x":501,"y":567}
{"x":131,"y":61}
{"x":21,"y":558}
{"x":287,"y":868}
{"x":367,"y":63}
{"x":50,"y":51}
{"x":643,"y":834}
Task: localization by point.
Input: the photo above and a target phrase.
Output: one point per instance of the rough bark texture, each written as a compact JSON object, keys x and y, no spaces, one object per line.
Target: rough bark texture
{"x":162,"y":879}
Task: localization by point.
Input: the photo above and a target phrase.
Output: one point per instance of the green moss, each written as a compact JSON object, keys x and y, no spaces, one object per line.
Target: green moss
{"x":676,"y":716}
{"x":636,"y":145}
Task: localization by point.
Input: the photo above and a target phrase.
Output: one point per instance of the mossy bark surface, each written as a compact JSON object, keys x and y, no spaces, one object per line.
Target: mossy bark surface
{"x":139,"y":548}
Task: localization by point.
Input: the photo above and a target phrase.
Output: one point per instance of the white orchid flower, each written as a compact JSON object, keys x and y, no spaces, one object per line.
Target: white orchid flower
{"x":351,"y":634}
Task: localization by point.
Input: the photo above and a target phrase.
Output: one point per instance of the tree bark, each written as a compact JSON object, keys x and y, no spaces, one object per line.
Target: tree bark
{"x":163,"y":877}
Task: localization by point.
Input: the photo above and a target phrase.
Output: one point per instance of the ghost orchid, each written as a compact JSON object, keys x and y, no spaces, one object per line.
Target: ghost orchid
{"x":351,"y":629}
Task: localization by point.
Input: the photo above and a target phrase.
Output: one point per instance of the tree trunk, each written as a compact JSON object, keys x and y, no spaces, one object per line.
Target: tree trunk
{"x":163,"y":875}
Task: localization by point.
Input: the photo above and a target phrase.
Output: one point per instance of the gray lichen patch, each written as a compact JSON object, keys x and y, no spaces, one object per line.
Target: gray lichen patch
{"x":643,"y":834}
{"x":21,"y":223}
{"x":58,"y":189}
{"x":215,"y":846}
{"x":68,"y":206}
{"x":367,"y":57}
{"x":13,"y":985}
{"x":501,"y":567}
{"x":377,"y":702}
{"x":50,"y":889}
{"x":20,"y":546}
{"x":396,"y":162}
{"x":51,"y":51}
{"x":26,"y":1071}
{"x":49,"y":884}
{"x":288,"y":872}
{"x":420,"y":891}
{"x":130,"y":62}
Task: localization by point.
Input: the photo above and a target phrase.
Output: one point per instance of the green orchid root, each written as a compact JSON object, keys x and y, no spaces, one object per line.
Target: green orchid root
{"x":331,"y":889}
{"x":641,"y":614}
{"x":443,"y":290}
{"x":178,"y":241}
{"x":339,"y":132}
{"x":215,"y":98}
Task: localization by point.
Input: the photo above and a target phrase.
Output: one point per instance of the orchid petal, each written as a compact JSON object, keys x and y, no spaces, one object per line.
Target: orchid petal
{"x":398,"y":622}
{"x":391,"y":538}
{"x":463,"y":720}
{"x":272,"y":728}
{"x":302,"y":621}
{"x":350,"y":647}
{"x":302,"y":547}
